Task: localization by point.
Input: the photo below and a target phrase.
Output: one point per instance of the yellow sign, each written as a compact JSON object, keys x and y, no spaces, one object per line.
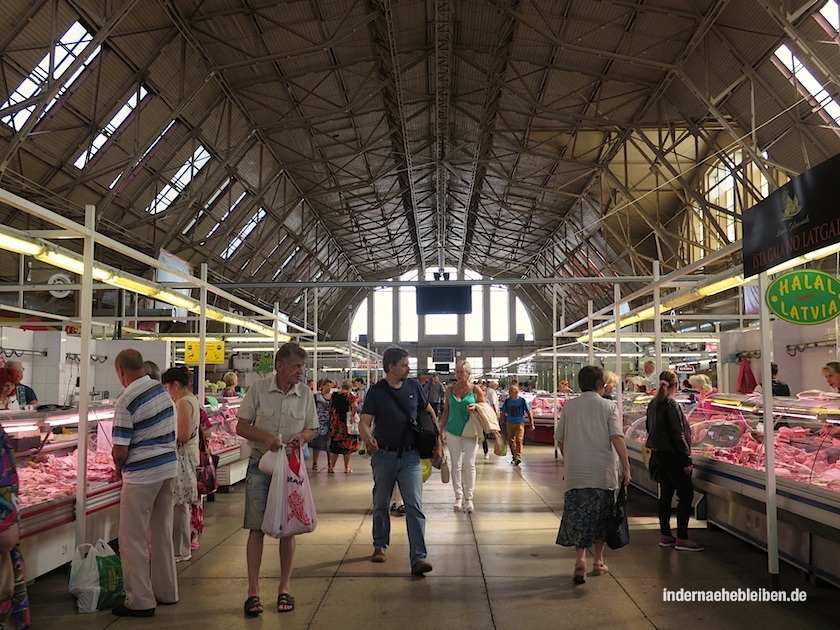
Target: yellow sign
{"x":214,"y":353}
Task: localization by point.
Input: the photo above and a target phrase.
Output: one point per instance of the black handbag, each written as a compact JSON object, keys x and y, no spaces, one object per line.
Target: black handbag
{"x":618,"y":530}
{"x":424,"y":427}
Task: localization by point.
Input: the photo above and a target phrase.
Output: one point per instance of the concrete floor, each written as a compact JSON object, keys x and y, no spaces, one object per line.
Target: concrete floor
{"x":498,"y":568}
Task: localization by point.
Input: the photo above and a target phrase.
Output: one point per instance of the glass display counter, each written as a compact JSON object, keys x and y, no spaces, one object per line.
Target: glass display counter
{"x":45,"y":443}
{"x":232,"y":450}
{"x":728,"y":451}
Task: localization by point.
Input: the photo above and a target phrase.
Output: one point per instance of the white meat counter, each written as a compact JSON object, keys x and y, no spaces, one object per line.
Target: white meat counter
{"x":46,"y":449}
{"x":728,"y":454}
{"x":231,"y":449}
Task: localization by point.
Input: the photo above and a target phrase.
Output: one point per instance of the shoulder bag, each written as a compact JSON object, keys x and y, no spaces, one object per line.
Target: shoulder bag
{"x":426,"y":432}
{"x":617,"y":528}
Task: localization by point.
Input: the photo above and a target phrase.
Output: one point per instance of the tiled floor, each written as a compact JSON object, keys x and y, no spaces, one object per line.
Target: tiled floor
{"x":498,"y":568}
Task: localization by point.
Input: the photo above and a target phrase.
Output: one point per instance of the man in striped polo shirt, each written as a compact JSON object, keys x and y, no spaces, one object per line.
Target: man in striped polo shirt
{"x":144,"y":453}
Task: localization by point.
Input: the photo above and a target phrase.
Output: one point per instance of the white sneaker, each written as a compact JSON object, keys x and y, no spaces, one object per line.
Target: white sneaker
{"x":457,"y":506}
{"x":486,"y":455}
{"x":469,"y":507}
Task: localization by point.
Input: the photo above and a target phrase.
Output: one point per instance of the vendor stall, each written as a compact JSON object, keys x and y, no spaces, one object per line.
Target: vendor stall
{"x":728,"y":454}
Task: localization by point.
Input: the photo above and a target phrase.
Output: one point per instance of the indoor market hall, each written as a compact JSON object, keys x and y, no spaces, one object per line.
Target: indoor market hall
{"x":498,"y":567}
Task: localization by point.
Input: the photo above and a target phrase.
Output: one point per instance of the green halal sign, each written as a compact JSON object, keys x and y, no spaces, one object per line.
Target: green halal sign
{"x":805,"y":297}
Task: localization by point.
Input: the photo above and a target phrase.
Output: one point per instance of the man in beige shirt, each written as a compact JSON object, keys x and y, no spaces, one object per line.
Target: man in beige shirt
{"x":277,"y":410}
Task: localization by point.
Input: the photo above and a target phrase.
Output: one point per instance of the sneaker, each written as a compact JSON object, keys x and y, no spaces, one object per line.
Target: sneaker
{"x":183,"y":558}
{"x":457,"y":506}
{"x":400,"y":511}
{"x":420,"y":567}
{"x":516,"y":462}
{"x":688,"y":545}
{"x":378,"y":555}
{"x":469,"y":507}
{"x":486,"y":455}
{"x":667,"y":541}
{"x":194,"y":545}
{"x":393,"y":508}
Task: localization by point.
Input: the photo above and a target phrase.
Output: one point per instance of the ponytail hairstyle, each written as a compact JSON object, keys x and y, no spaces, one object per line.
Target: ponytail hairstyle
{"x":667,"y":379}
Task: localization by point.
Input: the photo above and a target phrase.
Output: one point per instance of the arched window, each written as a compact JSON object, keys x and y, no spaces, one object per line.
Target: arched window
{"x":477,"y":328}
{"x":730,"y":184}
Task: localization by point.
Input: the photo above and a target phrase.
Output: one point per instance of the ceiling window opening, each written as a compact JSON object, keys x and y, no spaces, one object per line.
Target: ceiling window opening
{"x":225,"y":215}
{"x":270,"y":254}
{"x":243,"y":234}
{"x":285,"y":262}
{"x":807,"y":83}
{"x":111,"y":127}
{"x":182,"y":177}
{"x":64,"y":53}
{"x":831,"y":13}
{"x":207,"y":206}
{"x":152,"y":148}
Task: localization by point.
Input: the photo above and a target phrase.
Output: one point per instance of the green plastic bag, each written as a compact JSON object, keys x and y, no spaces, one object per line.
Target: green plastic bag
{"x":96,"y":579}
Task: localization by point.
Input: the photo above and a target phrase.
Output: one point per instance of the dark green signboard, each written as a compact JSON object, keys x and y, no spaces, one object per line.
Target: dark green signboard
{"x":805,"y":297}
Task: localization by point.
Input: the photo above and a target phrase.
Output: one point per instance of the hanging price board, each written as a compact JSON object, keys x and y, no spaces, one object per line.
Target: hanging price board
{"x":214,"y":352}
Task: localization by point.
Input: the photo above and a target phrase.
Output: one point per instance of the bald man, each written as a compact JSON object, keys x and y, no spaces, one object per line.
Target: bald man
{"x":24,"y":394}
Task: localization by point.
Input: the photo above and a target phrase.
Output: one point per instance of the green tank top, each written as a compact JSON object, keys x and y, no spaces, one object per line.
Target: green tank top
{"x":458,"y":414}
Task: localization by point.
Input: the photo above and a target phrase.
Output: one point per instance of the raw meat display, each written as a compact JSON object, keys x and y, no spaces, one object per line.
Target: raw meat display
{"x":543,"y":406}
{"x":734,"y":437}
{"x":48,"y":477}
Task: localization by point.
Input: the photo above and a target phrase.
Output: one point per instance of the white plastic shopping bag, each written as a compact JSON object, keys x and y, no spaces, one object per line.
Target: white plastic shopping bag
{"x":290,"y":508}
{"x":96,"y":577}
{"x":298,"y":508}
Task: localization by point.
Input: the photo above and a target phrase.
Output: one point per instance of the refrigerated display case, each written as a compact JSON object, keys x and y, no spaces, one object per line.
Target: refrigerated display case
{"x":542,"y":408}
{"x":45,"y":444}
{"x":232,"y":450}
{"x":728,"y":453}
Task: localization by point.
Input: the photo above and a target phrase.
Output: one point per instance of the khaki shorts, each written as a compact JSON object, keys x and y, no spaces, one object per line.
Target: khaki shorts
{"x":256,"y":493}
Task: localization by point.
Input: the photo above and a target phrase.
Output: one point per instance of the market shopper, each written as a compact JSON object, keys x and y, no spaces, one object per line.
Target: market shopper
{"x":513,"y":413}
{"x":491,"y":391}
{"x":8,"y":382}
{"x":151,"y":368}
{"x":394,"y":458}
{"x":435,"y":392}
{"x":144,"y":451}
{"x":24,"y":395}
{"x":343,"y":442}
{"x":460,"y":436}
{"x":14,"y":606}
{"x":669,"y":438}
{"x":610,"y":385}
{"x":277,"y":411}
{"x":589,"y":435}
{"x":187,"y":434}
{"x":321,"y":441}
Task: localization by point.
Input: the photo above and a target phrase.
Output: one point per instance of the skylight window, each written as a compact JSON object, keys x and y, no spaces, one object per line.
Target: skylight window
{"x":111,"y":128}
{"x":286,"y":262}
{"x":146,"y":152}
{"x":225,"y":215}
{"x":65,"y":52}
{"x":184,"y":176}
{"x":207,"y":206}
{"x":807,"y":82}
{"x":270,"y":254}
{"x":831,"y":13}
{"x":243,"y":234}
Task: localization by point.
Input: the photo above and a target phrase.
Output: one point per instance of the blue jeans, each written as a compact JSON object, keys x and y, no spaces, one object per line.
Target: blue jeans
{"x":405,"y":471}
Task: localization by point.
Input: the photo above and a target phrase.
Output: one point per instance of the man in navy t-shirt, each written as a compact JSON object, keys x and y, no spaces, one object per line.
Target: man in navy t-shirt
{"x":394,"y":457}
{"x":513,"y":411}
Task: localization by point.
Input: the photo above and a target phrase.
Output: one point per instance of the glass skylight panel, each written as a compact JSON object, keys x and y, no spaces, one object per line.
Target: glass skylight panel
{"x":831,"y":13}
{"x":184,"y":176}
{"x":225,"y":215}
{"x":207,"y":206}
{"x":808,"y":82}
{"x":66,"y":51}
{"x":289,"y":259}
{"x":243,"y":234}
{"x":111,"y":127}
{"x":145,"y":153}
